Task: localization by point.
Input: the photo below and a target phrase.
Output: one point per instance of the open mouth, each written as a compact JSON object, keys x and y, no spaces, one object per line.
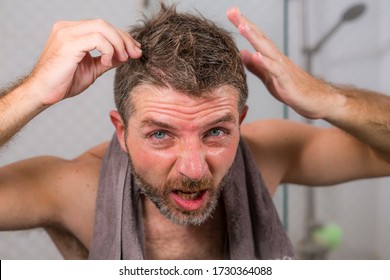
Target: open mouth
{"x":189,"y":201}
{"x":189,"y":195}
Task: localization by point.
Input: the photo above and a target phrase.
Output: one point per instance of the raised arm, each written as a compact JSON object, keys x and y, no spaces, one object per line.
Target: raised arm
{"x":362,"y":114}
{"x":64,"y":69}
{"x":51,"y":192}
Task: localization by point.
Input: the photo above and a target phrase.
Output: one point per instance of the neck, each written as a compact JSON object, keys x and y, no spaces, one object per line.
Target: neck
{"x":166,"y":240}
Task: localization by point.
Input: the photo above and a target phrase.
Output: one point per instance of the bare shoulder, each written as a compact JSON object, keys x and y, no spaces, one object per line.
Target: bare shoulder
{"x":98,"y":151}
{"x":79,"y":187}
{"x":52,"y":192}
{"x":273,"y":143}
{"x":270,"y":128}
{"x":77,"y":203}
{"x":85,"y":168}
{"x":74,"y":175}
{"x":267,"y":136}
{"x":265,"y":128}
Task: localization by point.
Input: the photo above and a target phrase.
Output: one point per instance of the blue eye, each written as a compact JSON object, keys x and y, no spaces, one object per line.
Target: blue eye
{"x":159,"y":135}
{"x":215,"y":132}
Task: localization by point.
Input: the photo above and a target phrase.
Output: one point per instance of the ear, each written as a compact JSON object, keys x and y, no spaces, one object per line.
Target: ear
{"x":243,"y":113}
{"x":117,"y":121}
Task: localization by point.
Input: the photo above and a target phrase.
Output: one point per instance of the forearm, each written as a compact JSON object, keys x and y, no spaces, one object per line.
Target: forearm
{"x":65,"y":69}
{"x":365,"y":115}
{"x":17,"y":107}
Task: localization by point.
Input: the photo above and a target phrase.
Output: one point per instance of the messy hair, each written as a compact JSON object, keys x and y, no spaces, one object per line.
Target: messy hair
{"x":182,"y":51}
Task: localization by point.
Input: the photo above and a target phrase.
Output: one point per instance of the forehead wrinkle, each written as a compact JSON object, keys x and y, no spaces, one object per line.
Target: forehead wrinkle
{"x":149,"y":121}
{"x":186,"y":107}
{"x":178,"y":112}
{"x":170,"y":98}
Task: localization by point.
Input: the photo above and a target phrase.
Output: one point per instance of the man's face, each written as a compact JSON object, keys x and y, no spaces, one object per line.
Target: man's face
{"x":181,"y":148}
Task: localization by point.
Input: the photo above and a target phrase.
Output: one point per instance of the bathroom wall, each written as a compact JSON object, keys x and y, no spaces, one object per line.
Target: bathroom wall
{"x":357,"y":54}
{"x":74,"y":125}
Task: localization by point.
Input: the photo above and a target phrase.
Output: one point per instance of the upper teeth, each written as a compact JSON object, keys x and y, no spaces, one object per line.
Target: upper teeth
{"x":188,"y":195}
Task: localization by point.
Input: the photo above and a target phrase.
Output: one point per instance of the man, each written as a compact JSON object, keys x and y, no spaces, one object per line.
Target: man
{"x":177,"y":182}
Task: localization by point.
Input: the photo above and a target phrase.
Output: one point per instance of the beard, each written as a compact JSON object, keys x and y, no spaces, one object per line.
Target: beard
{"x":184,"y":187}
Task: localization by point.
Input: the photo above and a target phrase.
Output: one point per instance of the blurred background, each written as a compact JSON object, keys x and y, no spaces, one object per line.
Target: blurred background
{"x":342,"y":41}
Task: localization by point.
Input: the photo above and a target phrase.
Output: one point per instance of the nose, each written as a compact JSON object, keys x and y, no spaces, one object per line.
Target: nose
{"x":192,"y":162}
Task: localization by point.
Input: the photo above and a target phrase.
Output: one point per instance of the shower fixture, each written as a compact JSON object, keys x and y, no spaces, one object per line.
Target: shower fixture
{"x":310,"y":247}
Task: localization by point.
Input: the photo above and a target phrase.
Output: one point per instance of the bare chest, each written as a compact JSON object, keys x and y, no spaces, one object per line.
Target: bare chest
{"x":185,"y":246}
{"x":169,"y":241}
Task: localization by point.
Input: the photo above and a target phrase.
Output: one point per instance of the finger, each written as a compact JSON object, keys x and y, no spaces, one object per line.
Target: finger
{"x":266,"y":65}
{"x":262,"y":66}
{"x":59,"y":25}
{"x":124,"y":46}
{"x":102,"y":68}
{"x":238,"y":19}
{"x":133,"y":47}
{"x":108,"y":31}
{"x":94,"y":41}
{"x":253,"y":34}
{"x":233,"y":15}
{"x":251,"y":65}
{"x":260,"y":43}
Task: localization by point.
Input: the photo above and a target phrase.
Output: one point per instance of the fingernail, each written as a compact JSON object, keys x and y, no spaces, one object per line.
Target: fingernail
{"x":125,"y":55}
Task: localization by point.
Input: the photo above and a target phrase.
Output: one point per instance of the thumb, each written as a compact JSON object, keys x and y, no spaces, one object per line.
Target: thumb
{"x":101,"y":68}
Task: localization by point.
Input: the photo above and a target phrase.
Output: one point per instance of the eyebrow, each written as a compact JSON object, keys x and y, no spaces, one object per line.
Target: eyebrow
{"x":153,"y":122}
{"x":229,"y":118}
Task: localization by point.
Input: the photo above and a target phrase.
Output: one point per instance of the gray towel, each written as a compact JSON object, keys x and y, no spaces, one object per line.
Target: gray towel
{"x":254,"y":229}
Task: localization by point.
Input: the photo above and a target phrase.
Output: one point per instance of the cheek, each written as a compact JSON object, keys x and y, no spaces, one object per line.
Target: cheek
{"x":221,"y":161}
{"x":152,"y":166}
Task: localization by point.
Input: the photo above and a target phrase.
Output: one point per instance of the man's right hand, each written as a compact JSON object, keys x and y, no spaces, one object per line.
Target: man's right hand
{"x":66,"y":67}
